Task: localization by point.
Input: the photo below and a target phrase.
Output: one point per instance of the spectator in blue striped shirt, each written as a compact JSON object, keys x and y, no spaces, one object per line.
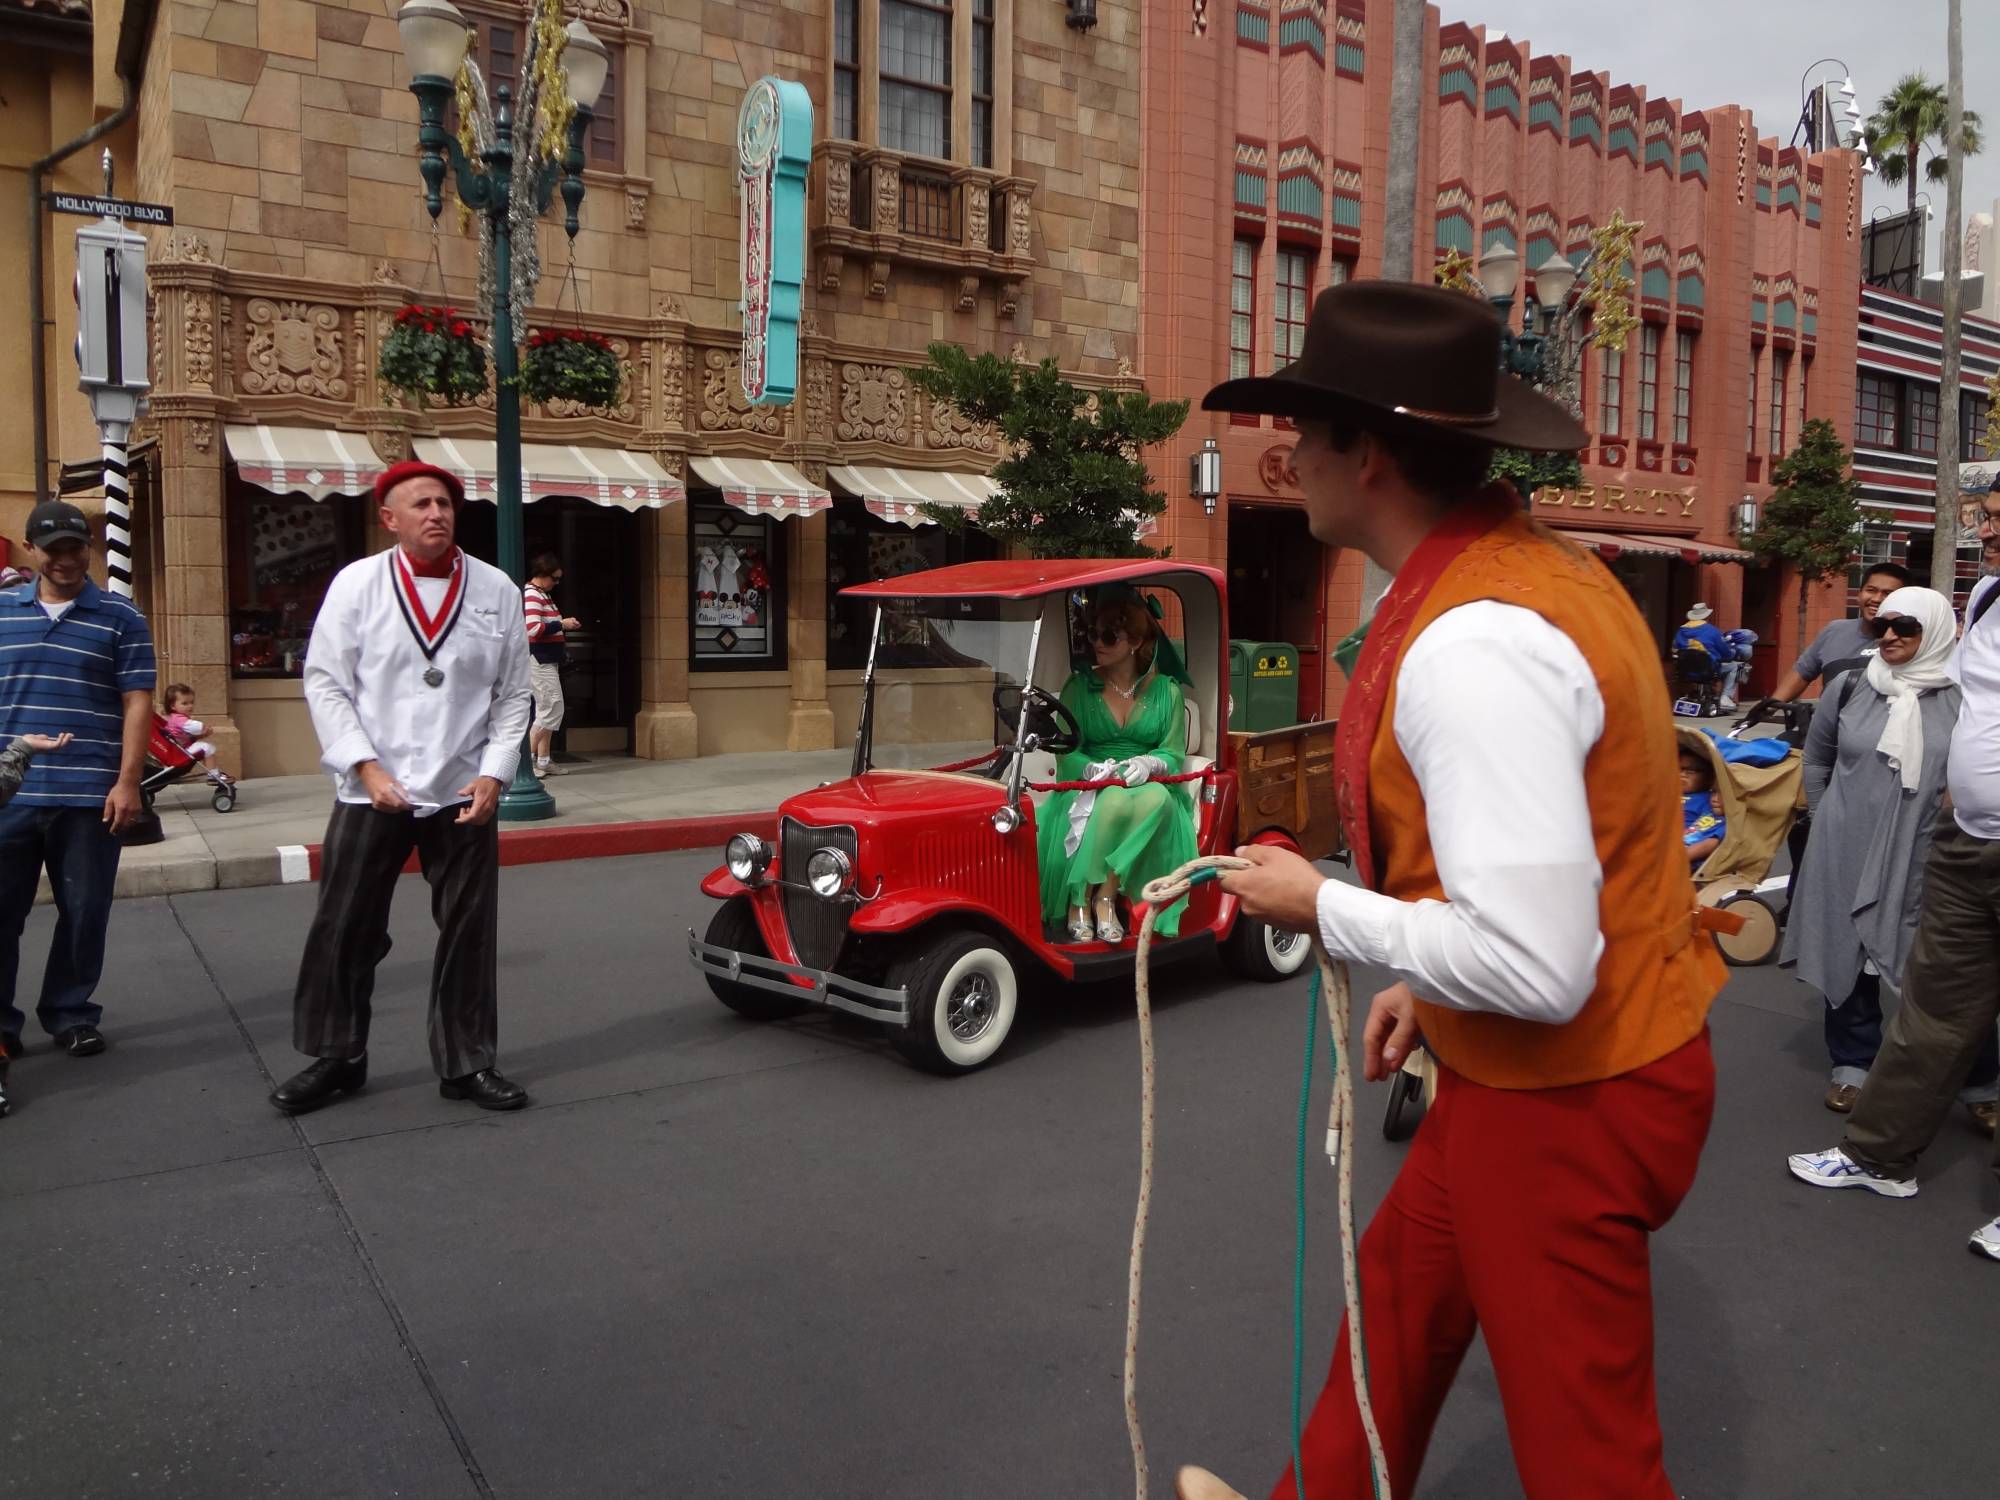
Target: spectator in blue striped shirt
{"x":79,"y":661}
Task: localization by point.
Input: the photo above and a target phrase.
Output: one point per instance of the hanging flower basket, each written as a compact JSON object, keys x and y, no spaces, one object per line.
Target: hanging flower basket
{"x":432,"y":351}
{"x":570,"y":364}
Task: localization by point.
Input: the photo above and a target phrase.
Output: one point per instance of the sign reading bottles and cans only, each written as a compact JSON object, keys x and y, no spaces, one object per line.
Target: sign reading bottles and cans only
{"x":773,"y":151}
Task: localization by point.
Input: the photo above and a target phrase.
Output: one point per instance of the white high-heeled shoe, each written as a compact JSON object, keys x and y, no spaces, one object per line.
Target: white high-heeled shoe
{"x":1081,"y":928}
{"x":1109,"y":929}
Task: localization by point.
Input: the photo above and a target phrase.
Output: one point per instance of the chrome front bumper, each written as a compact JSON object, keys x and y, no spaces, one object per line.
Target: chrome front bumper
{"x":833,"y":991}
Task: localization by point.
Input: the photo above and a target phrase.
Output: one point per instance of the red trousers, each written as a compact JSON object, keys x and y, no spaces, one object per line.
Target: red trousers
{"x":1522,"y":1214}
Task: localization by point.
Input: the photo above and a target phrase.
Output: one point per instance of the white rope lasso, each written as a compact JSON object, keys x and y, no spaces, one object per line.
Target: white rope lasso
{"x":1340,"y":1127}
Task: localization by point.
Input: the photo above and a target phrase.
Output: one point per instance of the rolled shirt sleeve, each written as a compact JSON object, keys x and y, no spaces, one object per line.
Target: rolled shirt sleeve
{"x":1496,"y":712}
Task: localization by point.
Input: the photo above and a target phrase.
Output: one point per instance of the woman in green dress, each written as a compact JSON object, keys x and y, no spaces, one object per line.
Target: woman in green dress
{"x":1096,"y":845}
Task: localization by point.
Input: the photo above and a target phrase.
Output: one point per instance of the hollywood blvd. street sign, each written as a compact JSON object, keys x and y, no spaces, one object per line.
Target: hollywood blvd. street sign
{"x":773,"y":151}
{"x":111,"y":208}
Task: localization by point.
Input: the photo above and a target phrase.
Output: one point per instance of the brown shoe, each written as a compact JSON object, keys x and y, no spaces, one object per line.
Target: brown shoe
{"x":1840,"y":1097}
{"x":1198,"y":1484}
{"x":1985,"y":1115}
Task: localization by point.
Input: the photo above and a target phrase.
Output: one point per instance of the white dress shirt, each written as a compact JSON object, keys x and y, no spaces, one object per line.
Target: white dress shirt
{"x":1973,"y":772}
{"x":364,"y":681}
{"x":1496,"y":712}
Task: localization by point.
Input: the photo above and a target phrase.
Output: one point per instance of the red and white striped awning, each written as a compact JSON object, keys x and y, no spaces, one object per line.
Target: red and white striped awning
{"x":1687,"y":549}
{"x":312,"y":461}
{"x":763,"y":486}
{"x":603,"y":476}
{"x":901,"y":494}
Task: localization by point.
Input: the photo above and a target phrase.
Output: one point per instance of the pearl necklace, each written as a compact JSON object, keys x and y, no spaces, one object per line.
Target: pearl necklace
{"x":1125,"y":693}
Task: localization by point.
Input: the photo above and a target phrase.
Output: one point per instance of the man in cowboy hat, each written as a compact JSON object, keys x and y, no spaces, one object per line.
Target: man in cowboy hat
{"x":417,"y":678}
{"x":1551,"y":961}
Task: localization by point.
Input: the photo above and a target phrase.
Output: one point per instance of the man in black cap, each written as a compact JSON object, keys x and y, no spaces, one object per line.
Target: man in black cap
{"x":1507,"y":779}
{"x":75,"y":661}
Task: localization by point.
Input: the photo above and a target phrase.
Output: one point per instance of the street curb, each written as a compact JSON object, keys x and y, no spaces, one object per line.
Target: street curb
{"x":299,"y":863}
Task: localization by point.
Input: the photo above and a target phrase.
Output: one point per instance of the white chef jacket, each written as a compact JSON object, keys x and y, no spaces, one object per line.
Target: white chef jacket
{"x":364,"y":682}
{"x":1496,"y":712}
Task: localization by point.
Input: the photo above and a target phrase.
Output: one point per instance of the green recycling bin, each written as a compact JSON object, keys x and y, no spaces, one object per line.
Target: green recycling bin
{"x":1263,"y":685}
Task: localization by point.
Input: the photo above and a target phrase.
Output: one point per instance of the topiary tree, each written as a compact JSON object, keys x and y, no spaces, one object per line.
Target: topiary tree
{"x":1813,"y":516}
{"x":1072,"y":483}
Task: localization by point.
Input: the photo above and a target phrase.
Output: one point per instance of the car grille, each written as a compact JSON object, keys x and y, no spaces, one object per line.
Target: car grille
{"x":818,"y":927}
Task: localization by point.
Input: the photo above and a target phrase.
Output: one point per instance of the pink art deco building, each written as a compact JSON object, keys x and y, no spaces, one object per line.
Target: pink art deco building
{"x":1265,"y":156}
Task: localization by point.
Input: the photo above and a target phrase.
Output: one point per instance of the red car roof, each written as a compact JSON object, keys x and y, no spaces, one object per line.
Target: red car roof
{"x":1024,"y":580}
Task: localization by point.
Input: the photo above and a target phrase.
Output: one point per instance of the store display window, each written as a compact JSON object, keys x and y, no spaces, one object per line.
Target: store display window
{"x":859,"y":549}
{"x":284,"y":551}
{"x":736,"y":591}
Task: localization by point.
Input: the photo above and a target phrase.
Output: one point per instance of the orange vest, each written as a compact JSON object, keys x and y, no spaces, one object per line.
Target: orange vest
{"x":1657,"y":975}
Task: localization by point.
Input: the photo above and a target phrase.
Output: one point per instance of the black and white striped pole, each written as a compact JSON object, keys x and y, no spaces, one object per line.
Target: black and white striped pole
{"x":117,"y":508}
{"x":111,"y":365}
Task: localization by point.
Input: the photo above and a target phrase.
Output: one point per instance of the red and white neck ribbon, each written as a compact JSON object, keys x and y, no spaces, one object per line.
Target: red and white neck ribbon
{"x":429,"y":629}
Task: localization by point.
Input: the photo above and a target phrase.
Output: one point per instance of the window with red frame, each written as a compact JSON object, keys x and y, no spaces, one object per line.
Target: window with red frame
{"x":1649,"y":381}
{"x":1294,"y":288}
{"x":1923,"y":409}
{"x":1878,"y":405}
{"x":1683,"y":384}
{"x":1242,"y":311}
{"x":1750,"y":433}
{"x":1611,"y":392}
{"x":1781,"y":383}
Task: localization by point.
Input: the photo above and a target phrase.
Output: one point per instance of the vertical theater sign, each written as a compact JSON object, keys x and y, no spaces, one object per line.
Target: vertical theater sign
{"x":773,"y":151}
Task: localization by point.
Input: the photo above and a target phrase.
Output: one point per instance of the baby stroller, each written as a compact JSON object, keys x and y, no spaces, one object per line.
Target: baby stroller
{"x":169,"y":763}
{"x":1759,"y":803}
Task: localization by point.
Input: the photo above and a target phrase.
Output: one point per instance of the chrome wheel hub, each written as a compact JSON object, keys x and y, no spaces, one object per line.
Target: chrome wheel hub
{"x":969,"y":1009}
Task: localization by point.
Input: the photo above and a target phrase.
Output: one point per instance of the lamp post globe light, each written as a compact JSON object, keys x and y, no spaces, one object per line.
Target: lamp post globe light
{"x":508,"y":193}
{"x":1543,"y":351}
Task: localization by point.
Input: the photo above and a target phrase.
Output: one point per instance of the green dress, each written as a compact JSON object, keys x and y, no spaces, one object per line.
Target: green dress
{"x":1140,"y":832}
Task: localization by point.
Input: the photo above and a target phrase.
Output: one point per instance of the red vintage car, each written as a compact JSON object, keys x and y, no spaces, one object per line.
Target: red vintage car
{"x":907,"y":893}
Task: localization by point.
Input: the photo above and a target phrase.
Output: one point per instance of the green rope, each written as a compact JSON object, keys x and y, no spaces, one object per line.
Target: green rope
{"x":1299,"y":1236}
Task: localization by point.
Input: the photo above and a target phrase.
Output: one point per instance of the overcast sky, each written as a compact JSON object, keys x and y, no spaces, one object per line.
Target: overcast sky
{"x":1751,"y":52}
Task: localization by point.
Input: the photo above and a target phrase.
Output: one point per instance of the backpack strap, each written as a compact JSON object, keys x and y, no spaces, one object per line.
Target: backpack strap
{"x":1985,"y":603}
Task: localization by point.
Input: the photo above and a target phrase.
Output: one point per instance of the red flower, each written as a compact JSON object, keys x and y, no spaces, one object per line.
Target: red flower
{"x":461,"y":330}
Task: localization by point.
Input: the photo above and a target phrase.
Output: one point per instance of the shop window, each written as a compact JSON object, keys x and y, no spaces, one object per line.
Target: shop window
{"x":284,"y":551}
{"x":1972,"y":411}
{"x":1242,"y":308}
{"x":1649,"y":381}
{"x":1683,"y":384}
{"x":1781,"y":378}
{"x":1877,"y":406}
{"x":859,"y":549}
{"x":736,"y":589}
{"x":1611,"y":392}
{"x":1922,"y":409}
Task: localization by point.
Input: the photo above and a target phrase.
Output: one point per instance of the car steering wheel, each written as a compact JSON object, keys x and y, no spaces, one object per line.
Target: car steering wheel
{"x":1048,"y":717}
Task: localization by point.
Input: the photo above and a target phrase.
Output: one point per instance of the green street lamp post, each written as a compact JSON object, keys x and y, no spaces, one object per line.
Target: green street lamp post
{"x":434,"y":41}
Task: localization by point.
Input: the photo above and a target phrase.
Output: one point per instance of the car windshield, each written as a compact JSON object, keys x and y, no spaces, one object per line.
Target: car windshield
{"x":954,"y":658}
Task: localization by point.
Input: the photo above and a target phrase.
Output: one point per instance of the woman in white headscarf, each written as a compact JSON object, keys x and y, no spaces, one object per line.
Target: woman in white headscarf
{"x":1875,"y":764}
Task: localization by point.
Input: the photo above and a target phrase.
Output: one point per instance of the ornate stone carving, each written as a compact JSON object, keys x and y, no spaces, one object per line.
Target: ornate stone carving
{"x":294,"y":349}
{"x":978,"y":204}
{"x":670,"y":307}
{"x":888,"y":197}
{"x":968,"y":293}
{"x":724,"y":407}
{"x":1010,"y":297}
{"x":814,"y":470}
{"x":392,"y":443}
{"x":1124,"y":367}
{"x":635,"y":206}
{"x":675,"y":464}
{"x":874,"y":404}
{"x":385,"y":274}
{"x":945,"y":426}
{"x":359,"y":349}
{"x":201,"y":433}
{"x":819,"y":399}
{"x":831,"y":264}
{"x":809,"y":326}
{"x":1019,"y":353}
{"x":198,"y":341}
{"x":188,"y":249}
{"x":227,"y":345}
{"x":878,"y":278}
{"x":645,"y":382}
{"x":839,"y":190}
{"x":673,"y":385}
{"x":1017,"y":223}
{"x":610,"y":12}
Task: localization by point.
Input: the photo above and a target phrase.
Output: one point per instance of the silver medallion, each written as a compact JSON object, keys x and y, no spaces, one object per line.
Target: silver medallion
{"x":433,"y":677}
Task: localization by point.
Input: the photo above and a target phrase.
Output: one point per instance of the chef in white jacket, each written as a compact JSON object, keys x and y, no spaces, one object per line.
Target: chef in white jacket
{"x":417,"y":678}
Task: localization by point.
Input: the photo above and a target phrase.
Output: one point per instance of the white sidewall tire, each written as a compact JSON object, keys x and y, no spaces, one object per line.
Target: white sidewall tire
{"x":1286,"y":960}
{"x":999,"y":973}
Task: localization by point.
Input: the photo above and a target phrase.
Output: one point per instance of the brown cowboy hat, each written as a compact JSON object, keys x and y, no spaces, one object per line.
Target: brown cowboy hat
{"x":1392,"y":354}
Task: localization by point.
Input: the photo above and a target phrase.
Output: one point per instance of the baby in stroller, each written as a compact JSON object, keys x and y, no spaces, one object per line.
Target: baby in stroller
{"x":176,"y":751}
{"x":183,"y":728}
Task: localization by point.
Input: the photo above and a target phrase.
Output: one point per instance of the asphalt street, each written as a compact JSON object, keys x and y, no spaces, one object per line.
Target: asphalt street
{"x":723,"y":1259}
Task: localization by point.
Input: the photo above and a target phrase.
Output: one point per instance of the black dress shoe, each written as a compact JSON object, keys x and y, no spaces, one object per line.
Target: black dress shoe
{"x":486,"y":1088}
{"x":320,"y":1084}
{"x":81,"y":1041}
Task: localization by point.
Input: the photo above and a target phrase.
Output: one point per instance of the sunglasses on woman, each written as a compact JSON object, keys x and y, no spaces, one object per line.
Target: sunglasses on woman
{"x":1109,"y":635}
{"x":1906,"y":626}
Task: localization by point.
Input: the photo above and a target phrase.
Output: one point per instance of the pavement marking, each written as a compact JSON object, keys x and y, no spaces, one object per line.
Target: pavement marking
{"x":294,"y":864}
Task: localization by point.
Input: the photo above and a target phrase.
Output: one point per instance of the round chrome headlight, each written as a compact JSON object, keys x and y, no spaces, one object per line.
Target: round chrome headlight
{"x":829,"y":873}
{"x":747,"y":858}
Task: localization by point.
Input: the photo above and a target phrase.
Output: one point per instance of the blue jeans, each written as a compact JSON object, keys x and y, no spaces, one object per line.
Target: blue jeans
{"x":1854,"y":1036}
{"x":1731,"y":673}
{"x":82,"y":859}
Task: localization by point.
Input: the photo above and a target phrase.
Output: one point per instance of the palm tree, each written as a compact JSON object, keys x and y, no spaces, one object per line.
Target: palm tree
{"x":1909,"y":121}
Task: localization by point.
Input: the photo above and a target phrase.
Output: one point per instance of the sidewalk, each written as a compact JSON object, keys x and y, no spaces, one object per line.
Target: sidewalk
{"x":611,"y":804}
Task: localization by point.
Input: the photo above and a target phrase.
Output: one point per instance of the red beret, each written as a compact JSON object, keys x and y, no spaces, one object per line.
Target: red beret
{"x":395,"y":474}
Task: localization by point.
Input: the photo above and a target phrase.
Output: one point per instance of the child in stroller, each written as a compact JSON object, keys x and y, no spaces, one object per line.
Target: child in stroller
{"x":176,"y":751}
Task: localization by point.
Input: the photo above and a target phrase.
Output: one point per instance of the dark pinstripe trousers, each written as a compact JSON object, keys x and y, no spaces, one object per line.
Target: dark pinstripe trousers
{"x":365,"y":851}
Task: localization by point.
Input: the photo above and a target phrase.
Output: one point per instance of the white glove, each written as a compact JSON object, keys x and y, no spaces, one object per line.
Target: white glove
{"x":1139,"y":770}
{"x":1098,"y":770}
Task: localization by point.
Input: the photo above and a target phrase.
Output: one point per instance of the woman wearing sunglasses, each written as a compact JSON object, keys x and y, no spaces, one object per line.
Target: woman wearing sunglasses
{"x":1096,"y":845}
{"x":1875,"y":767}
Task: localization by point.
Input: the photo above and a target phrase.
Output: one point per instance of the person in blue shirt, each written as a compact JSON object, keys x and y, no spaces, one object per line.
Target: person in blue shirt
{"x":1701,"y":636}
{"x":1702,"y":822}
{"x":76,"y":661}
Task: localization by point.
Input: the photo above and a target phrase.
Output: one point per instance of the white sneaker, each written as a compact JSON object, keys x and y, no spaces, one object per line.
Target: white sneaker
{"x":541,"y":770}
{"x":1835,"y":1169}
{"x":1986,"y":1240}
